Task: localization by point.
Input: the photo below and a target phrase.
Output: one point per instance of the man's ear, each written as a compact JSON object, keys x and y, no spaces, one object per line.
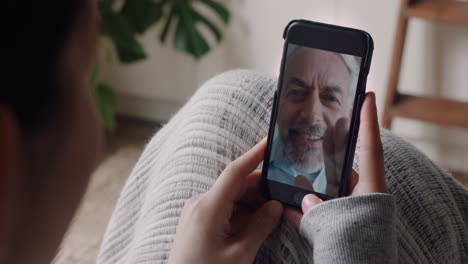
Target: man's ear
{"x":9,"y":161}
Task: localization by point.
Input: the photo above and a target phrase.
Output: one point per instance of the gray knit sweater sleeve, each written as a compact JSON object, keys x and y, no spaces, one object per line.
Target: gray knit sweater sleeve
{"x":357,"y":229}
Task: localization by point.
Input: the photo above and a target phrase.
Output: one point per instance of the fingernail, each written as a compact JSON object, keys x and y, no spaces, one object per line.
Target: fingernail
{"x":275,"y":209}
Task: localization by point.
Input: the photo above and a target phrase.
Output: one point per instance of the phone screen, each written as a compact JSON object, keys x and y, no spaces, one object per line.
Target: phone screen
{"x":315,"y":106}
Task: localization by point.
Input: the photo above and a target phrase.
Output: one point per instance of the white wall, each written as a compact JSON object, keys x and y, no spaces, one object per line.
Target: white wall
{"x":435,"y":56}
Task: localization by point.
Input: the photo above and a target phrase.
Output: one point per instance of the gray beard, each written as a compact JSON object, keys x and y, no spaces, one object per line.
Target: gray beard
{"x":301,"y":165}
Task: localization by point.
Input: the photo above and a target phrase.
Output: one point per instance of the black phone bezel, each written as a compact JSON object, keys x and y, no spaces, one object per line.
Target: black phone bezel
{"x":336,"y":39}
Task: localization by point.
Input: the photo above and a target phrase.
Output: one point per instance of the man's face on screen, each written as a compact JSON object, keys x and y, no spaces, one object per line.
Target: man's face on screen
{"x":314,"y":96}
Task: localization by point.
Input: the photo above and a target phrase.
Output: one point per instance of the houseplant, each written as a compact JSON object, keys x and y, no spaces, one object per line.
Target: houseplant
{"x":124,"y":20}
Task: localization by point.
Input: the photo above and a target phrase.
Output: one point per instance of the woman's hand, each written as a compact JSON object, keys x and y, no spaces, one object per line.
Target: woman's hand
{"x":371,"y":163}
{"x":214,"y":227}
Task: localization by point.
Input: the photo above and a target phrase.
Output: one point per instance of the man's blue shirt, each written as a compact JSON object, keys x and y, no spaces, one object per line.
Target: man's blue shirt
{"x":287,"y":175}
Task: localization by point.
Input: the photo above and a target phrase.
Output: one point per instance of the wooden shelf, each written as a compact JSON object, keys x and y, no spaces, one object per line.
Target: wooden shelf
{"x":450,"y":12}
{"x":437,"y":110}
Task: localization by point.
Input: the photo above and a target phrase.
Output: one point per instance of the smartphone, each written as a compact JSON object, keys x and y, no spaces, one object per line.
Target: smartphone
{"x":315,"y":116}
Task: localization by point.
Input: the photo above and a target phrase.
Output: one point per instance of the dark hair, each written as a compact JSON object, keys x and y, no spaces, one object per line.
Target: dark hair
{"x":35,"y":36}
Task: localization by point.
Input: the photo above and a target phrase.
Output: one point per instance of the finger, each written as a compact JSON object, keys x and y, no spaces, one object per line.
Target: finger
{"x":341,"y":132}
{"x":252,"y":194}
{"x":293,"y":216}
{"x":341,"y":140}
{"x":309,"y":202}
{"x":252,"y":199}
{"x":259,"y":227}
{"x":253,"y":179}
{"x":327,"y":141}
{"x":334,"y":153}
{"x":371,"y":163}
{"x":231,"y":184}
{"x":239,"y":220}
{"x":303,"y":182}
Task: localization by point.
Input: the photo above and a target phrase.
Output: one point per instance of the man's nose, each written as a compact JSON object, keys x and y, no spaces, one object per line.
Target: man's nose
{"x":312,"y":111}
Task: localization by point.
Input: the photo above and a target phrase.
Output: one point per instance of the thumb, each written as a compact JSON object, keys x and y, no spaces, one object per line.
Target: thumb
{"x":309,"y":202}
{"x":259,"y":227}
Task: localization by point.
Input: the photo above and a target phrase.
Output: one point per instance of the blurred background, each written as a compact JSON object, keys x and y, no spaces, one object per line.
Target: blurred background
{"x":140,"y":86}
{"x":435,"y":62}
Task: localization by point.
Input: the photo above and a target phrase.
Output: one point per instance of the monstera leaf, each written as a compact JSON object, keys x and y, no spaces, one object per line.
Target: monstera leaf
{"x":142,"y":14}
{"x":123,"y":21}
{"x":135,"y":17}
{"x":119,"y":30}
{"x":187,"y":37}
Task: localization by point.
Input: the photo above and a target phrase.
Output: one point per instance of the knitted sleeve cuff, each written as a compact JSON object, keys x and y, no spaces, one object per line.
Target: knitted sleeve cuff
{"x":357,"y":229}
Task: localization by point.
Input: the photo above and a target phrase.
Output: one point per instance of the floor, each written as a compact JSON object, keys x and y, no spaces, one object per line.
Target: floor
{"x":461,"y":177}
{"x":82,"y":241}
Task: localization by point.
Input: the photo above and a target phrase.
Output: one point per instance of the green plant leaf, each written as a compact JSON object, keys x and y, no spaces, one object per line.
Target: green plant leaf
{"x":187,"y":38}
{"x":200,"y":18}
{"x":167,"y":24}
{"x":181,"y":37}
{"x":117,"y":29}
{"x":106,"y":102}
{"x":141,"y":14}
{"x":219,"y":9}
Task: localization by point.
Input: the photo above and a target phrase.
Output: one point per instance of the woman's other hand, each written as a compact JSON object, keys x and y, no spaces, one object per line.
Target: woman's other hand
{"x":214,"y":227}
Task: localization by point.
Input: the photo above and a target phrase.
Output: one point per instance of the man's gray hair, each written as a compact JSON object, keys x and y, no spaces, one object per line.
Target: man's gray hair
{"x":352,"y":63}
